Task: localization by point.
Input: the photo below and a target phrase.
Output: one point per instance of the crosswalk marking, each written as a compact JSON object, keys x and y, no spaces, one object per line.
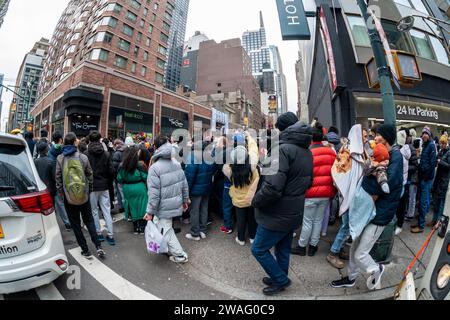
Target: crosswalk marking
{"x":49,"y":292}
{"x":117,"y":285}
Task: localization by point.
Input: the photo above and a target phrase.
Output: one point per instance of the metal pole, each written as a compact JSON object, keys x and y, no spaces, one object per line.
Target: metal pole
{"x":387,"y":94}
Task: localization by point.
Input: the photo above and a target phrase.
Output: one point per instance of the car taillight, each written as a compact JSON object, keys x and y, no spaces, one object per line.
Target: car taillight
{"x":63,"y":265}
{"x":39,"y":202}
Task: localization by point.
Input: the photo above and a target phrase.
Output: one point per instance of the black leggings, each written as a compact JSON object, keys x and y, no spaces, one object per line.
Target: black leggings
{"x":246,"y":217}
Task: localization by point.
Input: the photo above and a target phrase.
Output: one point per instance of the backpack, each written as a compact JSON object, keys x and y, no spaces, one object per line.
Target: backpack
{"x":76,"y":188}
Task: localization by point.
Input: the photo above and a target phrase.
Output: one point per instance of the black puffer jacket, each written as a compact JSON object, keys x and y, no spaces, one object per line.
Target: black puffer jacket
{"x":280,"y":200}
{"x":413,"y":166}
{"x":101,"y":164}
{"x":442,"y":176}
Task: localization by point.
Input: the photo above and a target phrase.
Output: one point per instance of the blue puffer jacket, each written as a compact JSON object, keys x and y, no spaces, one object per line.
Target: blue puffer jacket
{"x":199,"y":176}
{"x":387,"y":203}
{"x":428,"y":161}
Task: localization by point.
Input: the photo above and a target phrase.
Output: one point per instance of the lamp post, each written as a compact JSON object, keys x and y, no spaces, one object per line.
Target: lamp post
{"x":387,"y":94}
{"x":30,"y":85}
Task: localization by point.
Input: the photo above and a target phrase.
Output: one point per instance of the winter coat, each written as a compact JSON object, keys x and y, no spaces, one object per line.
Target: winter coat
{"x":167,"y":186}
{"x":43,"y":140}
{"x":334,"y":139}
{"x":199,"y":176}
{"x":406,"y":153}
{"x":387,"y":203}
{"x":44,"y":167}
{"x":442,"y":153}
{"x":134,"y":186}
{"x":428,"y":160}
{"x":442,"y":176}
{"x":101,"y":165}
{"x":323,"y":160}
{"x":31,"y":143}
{"x":71,"y":152}
{"x":117,"y":156}
{"x":413,"y":166}
{"x":280,"y":200}
{"x":53,"y":154}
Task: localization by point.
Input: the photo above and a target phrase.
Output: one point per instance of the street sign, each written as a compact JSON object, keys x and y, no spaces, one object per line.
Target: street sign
{"x":293,"y":22}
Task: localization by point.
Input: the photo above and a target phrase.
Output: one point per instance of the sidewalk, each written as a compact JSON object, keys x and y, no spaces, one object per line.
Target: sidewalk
{"x":219,"y":262}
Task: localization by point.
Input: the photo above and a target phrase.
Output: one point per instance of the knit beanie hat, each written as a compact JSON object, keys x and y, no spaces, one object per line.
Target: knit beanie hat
{"x":388,"y":132}
{"x":380,"y":153}
{"x":427,"y":131}
{"x":413,"y":134}
{"x":401,"y":137}
{"x":286,"y":120}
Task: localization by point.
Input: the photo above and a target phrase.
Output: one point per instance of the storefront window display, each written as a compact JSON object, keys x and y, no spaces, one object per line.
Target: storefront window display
{"x":172,"y":120}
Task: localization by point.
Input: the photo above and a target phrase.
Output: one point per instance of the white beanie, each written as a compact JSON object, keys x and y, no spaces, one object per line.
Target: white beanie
{"x":413,"y":133}
{"x":129,"y":141}
{"x":401,"y":137}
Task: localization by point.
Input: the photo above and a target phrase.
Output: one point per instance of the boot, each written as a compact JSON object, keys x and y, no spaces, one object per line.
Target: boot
{"x":136,"y":227}
{"x":312,"y":250}
{"x":142,"y":225}
{"x":343,"y":255}
{"x":334,"y":260}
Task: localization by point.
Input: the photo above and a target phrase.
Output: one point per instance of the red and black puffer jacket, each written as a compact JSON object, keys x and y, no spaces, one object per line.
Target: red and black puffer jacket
{"x":323,"y":160}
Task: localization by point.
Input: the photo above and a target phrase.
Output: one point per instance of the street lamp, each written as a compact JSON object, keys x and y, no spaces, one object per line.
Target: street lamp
{"x":407,"y":23}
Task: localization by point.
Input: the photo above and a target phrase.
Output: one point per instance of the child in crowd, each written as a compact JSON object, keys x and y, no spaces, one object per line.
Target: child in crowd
{"x":378,"y":167}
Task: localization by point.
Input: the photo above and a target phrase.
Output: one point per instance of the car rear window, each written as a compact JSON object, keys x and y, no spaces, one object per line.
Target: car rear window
{"x":16,"y":175}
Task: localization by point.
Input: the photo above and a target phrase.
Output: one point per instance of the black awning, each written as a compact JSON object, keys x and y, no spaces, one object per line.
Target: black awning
{"x":81,"y":101}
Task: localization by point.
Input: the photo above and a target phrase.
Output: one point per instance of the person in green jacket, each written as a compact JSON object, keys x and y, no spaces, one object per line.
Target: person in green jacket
{"x":133,"y":176}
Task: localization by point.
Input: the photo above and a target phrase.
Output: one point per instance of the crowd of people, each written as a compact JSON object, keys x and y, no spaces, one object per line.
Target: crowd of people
{"x":363,"y":180}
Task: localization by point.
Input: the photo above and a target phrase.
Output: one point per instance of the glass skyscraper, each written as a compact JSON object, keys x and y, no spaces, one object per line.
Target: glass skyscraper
{"x":176,"y":44}
{"x":3,"y":8}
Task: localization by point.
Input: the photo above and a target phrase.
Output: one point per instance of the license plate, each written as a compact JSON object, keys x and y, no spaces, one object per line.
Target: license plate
{"x":2,"y":235}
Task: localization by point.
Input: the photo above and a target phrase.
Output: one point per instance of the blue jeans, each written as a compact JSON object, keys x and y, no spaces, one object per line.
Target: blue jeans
{"x":227,"y":209}
{"x":344,"y":232}
{"x":425,"y":195}
{"x":278,"y":268}
{"x":60,"y":209}
{"x":439,"y":208}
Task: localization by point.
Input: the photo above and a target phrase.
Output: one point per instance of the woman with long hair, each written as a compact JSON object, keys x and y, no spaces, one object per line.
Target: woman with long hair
{"x":144,"y":157}
{"x":244,"y":177}
{"x":133,"y":177}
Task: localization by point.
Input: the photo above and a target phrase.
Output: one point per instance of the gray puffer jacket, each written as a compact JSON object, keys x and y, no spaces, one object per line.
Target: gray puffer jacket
{"x":167,"y":185}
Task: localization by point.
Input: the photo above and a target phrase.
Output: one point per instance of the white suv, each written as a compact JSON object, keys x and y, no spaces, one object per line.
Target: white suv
{"x":31,"y":247}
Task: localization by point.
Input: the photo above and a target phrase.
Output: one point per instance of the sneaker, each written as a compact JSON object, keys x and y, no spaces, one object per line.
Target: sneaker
{"x":241,"y":243}
{"x":68,"y":227}
{"x":416,"y":230}
{"x":334,"y":260}
{"x":87,"y":254}
{"x":202,"y":235}
{"x":226,"y":230}
{"x":299,"y":251}
{"x":101,"y":253}
{"x":186,"y":221}
{"x":182,"y":259}
{"x":110,"y":241}
{"x":398,"y":231}
{"x":312,"y":250}
{"x":209,"y":222}
{"x":374,"y":281}
{"x":101,"y":238}
{"x":252,"y":240}
{"x":343,"y":283}
{"x":191,"y":237}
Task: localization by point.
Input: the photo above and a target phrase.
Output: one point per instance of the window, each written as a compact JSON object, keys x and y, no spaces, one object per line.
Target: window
{"x":133,"y":67}
{"x":120,"y":62}
{"x":79,"y":25}
{"x":76,"y":36}
{"x":139,"y":37}
{"x":131,"y":16}
{"x":105,"y":37}
{"x":127,"y":30}
{"x":67,"y":63}
{"x":150,"y":29}
{"x":99,"y":54}
{"x":439,"y":50}
{"x":415,"y":4}
{"x":142,"y":23}
{"x":162,"y":50}
{"x":106,"y":21}
{"x":143,"y":71}
{"x":397,"y":40}
{"x":159,"y":77}
{"x":124,"y":45}
{"x":153,"y":17}
{"x":114,"y":7}
{"x":164,"y":38}
{"x":147,"y":42}
{"x":135,"y":4}
{"x":423,"y":46}
{"x":166,"y":26}
{"x":156,"y":6}
{"x":145,"y":56}
{"x":145,"y":12}
{"x":168,"y":15}
{"x":71,"y":49}
{"x":160,"y":63}
{"x":136,"y":52}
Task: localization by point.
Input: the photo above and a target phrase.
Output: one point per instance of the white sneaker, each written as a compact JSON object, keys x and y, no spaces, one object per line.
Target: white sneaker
{"x":182,"y":259}
{"x":242,"y":243}
{"x":202,"y":235}
{"x":191,"y":237}
{"x":374,"y":281}
{"x":398,"y":231}
{"x":252,"y":240}
{"x":294,"y":235}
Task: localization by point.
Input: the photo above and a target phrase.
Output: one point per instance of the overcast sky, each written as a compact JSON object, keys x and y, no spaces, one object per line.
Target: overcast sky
{"x":27,"y":21}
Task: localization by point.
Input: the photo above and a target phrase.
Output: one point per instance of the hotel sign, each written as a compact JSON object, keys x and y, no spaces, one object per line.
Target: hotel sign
{"x":294,"y":25}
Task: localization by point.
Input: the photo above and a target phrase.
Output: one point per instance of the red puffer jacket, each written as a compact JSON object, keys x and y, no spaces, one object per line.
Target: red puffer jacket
{"x":323,"y":158}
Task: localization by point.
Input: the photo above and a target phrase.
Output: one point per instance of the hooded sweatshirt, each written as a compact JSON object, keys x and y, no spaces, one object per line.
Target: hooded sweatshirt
{"x":334,"y":139}
{"x":167,"y":186}
{"x":101,"y":165}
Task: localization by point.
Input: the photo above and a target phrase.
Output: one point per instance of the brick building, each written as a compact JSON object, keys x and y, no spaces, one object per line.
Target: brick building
{"x":105,"y":71}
